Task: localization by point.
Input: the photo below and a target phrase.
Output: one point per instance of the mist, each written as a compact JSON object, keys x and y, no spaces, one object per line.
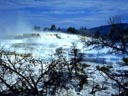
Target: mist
{"x":10,"y":28}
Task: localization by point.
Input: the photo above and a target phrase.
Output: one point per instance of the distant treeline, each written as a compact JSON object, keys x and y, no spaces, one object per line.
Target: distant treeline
{"x":114,"y":27}
{"x":53,"y":27}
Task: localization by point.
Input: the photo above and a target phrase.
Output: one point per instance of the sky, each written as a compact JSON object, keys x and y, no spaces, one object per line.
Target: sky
{"x":62,"y":13}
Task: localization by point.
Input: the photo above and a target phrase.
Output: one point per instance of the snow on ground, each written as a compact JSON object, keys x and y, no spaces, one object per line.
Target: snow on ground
{"x":41,"y":44}
{"x":44,"y":44}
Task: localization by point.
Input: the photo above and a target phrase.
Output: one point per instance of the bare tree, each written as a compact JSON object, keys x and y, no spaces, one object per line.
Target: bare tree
{"x":114,"y":20}
{"x":117,"y":40}
{"x":22,"y":74}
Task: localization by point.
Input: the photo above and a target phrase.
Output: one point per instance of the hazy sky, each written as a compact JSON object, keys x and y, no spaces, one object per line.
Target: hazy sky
{"x":62,"y":13}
